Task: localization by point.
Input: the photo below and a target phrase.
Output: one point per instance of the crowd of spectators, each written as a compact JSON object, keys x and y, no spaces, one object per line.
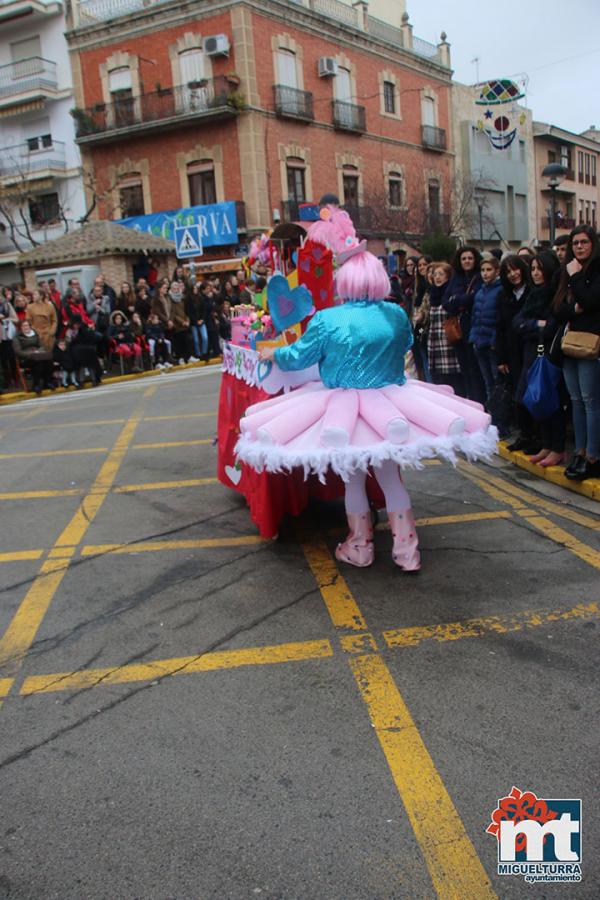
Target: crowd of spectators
{"x":481,"y":322}
{"x":479,"y":325}
{"x":60,"y":340}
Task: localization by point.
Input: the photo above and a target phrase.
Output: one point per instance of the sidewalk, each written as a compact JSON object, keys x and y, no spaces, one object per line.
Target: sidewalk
{"x":19,"y":396}
{"x":589,"y":488}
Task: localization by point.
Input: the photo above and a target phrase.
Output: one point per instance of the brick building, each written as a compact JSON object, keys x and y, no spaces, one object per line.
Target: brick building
{"x":268,"y":104}
{"x":578,"y":193}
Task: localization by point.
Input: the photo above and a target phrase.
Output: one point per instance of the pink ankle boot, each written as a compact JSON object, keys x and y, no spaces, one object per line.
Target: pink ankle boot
{"x":405,"y":549}
{"x":357,"y":549}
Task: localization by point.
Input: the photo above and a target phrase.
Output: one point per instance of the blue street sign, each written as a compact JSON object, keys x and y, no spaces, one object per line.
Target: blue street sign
{"x":188,"y":241}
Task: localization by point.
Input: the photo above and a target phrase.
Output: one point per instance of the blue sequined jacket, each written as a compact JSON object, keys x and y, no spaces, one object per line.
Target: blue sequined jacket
{"x":360,"y":344}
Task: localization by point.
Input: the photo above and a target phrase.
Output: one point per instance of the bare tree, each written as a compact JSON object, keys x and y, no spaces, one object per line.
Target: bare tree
{"x":19,"y":192}
{"x":469,"y":193}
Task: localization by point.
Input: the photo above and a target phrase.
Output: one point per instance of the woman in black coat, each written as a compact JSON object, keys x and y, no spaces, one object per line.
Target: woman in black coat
{"x":534,"y":326}
{"x":458,"y":301}
{"x":516,"y":280}
{"x":577,"y":304}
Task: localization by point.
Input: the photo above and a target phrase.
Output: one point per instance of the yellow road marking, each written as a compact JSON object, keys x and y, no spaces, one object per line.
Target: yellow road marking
{"x":50,"y":425}
{"x":53,"y":453}
{"x":560,"y":536}
{"x":162,"y":444}
{"x":560,"y":510}
{"x":22,"y":630}
{"x":5,"y":686}
{"x":453,"y":864}
{"x":19,"y":555}
{"x":589,"y":554}
{"x":455,"y":869}
{"x":340,"y":603}
{"x":185,"y":665}
{"x":465,"y":517}
{"x":454,"y":631}
{"x":162,"y":485}
{"x":198,"y":415}
{"x":37,"y":495}
{"x":120,"y":489}
{"x":153,"y":546}
{"x":25,"y":623}
{"x":92,"y":502}
{"x":150,"y":391}
{"x":95,"y":422}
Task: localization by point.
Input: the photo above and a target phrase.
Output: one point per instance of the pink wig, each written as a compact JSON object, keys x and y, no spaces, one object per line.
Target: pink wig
{"x":362,"y":277}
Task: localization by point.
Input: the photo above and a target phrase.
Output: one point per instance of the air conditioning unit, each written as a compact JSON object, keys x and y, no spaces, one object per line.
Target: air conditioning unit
{"x":327,"y":66}
{"x":217,"y":45}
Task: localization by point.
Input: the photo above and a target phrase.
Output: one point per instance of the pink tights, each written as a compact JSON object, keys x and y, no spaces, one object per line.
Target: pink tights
{"x":390,"y":482}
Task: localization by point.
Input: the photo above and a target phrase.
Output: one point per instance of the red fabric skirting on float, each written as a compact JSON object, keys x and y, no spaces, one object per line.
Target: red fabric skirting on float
{"x":270,"y":497}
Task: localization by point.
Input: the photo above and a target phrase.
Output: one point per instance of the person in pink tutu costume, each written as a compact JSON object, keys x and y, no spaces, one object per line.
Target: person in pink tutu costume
{"x":364,"y":415}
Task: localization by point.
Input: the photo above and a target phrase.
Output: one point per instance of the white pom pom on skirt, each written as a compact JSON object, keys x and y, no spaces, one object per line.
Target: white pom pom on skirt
{"x":315,"y":428}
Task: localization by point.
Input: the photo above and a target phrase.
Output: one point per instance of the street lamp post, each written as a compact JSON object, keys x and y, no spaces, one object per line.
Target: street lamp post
{"x":554,"y":174}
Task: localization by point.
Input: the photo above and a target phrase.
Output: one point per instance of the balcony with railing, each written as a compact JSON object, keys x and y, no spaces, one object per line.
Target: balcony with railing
{"x":436,"y":223}
{"x":172,"y":107}
{"x":31,"y":160}
{"x":433,"y":138}
{"x":348,"y":116}
{"x":292,"y":103}
{"x":90,"y":11}
{"x":35,"y":10}
{"x":561,"y":223}
{"x":27,"y":79}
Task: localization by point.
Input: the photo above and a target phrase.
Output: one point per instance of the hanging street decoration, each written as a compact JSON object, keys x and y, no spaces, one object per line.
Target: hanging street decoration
{"x":503,"y":116}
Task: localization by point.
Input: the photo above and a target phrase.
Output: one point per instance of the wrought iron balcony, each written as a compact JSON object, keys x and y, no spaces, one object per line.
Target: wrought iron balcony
{"x":32,"y":160}
{"x":172,"y":107}
{"x":292,"y":103}
{"x":560,"y":222}
{"x":348,"y":116}
{"x":33,"y":76}
{"x":433,"y":138}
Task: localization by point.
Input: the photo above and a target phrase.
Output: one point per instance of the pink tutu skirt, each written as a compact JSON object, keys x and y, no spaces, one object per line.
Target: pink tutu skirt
{"x":315,"y":428}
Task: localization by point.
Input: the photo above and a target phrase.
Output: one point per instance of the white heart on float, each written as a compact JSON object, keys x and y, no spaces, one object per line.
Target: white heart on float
{"x":233,"y":474}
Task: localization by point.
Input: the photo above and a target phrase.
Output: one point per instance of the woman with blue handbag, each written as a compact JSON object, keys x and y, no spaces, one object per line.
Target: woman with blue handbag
{"x":535,"y":327}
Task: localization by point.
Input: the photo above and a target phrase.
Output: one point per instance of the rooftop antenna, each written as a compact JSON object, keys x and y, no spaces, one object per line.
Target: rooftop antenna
{"x":475,"y":60}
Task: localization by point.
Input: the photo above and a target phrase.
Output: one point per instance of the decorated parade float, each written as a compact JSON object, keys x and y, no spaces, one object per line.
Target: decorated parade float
{"x":338,"y":406}
{"x":301,"y":284}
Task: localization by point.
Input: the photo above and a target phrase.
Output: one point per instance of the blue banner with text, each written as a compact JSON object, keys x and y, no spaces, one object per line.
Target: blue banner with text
{"x":217,"y":221}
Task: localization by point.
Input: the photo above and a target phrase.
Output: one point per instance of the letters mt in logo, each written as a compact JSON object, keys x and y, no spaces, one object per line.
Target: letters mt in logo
{"x":532,"y":830}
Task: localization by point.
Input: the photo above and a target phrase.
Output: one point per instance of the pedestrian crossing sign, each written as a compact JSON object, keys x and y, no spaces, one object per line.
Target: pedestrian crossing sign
{"x":188,"y":241}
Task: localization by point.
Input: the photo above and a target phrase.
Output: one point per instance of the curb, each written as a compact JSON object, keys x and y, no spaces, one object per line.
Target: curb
{"x":588,"y":488}
{"x":20,"y":396}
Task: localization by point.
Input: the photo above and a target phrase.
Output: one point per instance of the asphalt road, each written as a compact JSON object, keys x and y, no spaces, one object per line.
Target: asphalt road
{"x":192,"y":713}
